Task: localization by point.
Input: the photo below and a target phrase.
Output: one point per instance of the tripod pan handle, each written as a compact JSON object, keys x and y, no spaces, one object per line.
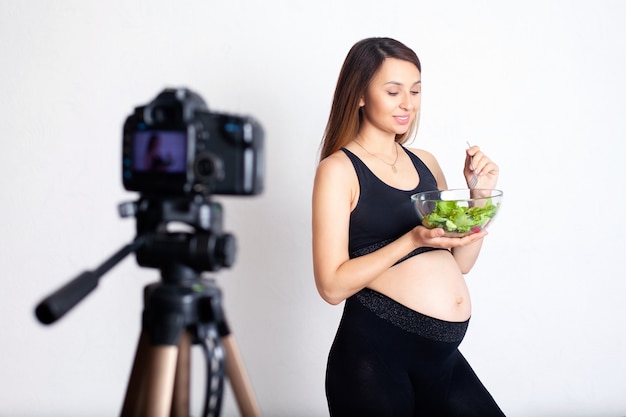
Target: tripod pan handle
{"x":62,"y":300}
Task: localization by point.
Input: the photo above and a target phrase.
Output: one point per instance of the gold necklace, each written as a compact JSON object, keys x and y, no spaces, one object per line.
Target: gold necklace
{"x":393,"y":165}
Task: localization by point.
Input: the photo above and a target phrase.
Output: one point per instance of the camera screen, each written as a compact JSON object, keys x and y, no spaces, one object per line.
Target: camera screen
{"x":160,"y":151}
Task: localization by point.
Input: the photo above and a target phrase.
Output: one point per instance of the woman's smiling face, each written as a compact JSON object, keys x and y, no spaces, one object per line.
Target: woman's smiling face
{"x":393,"y":97}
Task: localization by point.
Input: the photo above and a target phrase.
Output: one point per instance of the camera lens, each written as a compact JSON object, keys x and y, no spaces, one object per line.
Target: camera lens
{"x":209,"y":167}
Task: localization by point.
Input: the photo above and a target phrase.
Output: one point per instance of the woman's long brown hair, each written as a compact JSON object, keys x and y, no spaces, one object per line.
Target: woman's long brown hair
{"x":359,"y":67}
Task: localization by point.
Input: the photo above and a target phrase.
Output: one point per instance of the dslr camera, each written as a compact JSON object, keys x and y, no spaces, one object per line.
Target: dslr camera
{"x":174,"y":146}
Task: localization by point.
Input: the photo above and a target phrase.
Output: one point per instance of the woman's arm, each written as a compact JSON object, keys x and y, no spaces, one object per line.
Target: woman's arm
{"x":487,"y":172}
{"x":334,"y":195}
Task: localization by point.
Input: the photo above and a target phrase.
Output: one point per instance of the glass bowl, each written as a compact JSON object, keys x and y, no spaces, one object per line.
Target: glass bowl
{"x":458,"y":212}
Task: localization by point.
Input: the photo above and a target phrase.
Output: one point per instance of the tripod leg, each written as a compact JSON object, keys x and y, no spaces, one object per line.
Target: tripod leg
{"x":136,"y":390}
{"x":161,"y":383}
{"x":182,"y":385}
{"x":151,"y":383}
{"x":239,"y":379}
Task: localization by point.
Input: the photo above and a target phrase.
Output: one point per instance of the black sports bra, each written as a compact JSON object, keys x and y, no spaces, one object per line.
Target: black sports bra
{"x":384,"y":213}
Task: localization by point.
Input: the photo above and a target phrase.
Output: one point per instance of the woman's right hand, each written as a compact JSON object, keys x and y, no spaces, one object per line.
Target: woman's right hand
{"x":422,"y":236}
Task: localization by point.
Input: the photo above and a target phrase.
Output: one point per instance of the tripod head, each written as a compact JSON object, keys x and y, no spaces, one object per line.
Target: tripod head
{"x":206,"y":248}
{"x":180,"y":256}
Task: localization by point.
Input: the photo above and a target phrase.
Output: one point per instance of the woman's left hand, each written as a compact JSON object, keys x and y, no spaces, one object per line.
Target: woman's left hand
{"x":486,"y":170}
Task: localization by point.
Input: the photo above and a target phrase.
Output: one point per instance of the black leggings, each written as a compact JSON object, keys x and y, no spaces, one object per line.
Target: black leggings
{"x":388,"y":360}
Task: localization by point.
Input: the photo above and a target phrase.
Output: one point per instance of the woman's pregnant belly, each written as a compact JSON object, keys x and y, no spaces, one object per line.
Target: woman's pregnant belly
{"x":429,"y":283}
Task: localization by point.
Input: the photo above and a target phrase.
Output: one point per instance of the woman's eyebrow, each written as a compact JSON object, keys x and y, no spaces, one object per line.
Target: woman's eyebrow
{"x":399,"y":83}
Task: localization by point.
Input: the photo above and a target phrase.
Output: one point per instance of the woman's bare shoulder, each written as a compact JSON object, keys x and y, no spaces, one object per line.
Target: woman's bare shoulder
{"x":336,"y":177}
{"x":337,"y":163}
{"x":427,"y":157}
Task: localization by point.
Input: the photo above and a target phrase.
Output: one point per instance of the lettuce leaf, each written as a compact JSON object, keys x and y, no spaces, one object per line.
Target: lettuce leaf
{"x":453,"y":217}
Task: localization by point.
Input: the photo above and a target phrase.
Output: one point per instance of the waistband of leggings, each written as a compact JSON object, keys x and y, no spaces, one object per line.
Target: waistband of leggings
{"x":410,"y":320}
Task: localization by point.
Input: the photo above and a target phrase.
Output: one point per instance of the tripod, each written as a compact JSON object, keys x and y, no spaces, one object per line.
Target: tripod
{"x":183,"y":310}
{"x":180,"y":310}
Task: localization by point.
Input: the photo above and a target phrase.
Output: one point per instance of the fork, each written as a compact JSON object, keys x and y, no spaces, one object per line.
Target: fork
{"x":474,"y":180}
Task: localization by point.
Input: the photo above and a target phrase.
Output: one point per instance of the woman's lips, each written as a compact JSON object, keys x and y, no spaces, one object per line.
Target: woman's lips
{"x":403,"y":120}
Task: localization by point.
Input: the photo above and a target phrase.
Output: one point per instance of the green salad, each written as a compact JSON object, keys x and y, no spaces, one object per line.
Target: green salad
{"x":452,"y":217}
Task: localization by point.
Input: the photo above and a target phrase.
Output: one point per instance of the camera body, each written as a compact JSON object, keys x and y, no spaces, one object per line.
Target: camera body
{"x":174,"y":146}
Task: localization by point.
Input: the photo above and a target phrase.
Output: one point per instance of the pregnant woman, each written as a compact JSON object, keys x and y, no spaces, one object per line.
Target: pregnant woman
{"x":407,"y":306}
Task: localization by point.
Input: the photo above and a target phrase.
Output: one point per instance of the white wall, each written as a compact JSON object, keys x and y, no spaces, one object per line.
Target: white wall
{"x":537,"y":84}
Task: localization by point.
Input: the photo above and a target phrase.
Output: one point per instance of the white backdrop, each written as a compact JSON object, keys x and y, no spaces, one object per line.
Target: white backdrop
{"x":539,"y":85}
